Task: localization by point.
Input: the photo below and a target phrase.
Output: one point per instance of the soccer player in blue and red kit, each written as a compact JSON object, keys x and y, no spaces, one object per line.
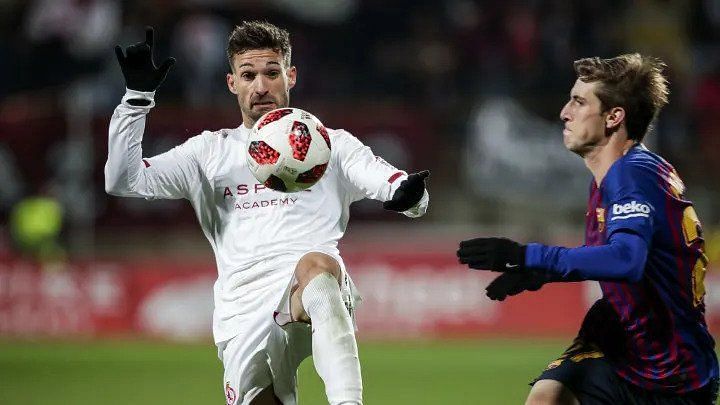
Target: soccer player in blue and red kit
{"x":646,"y":340}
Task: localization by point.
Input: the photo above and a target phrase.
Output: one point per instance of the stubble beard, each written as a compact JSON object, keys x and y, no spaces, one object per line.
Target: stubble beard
{"x":254,"y":115}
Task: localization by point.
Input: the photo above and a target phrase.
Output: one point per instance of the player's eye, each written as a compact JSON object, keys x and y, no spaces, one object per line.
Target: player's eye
{"x":247,"y":75}
{"x":273,"y":74}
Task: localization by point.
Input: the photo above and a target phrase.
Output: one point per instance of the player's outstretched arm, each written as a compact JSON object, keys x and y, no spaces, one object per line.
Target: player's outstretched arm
{"x":528,"y":267}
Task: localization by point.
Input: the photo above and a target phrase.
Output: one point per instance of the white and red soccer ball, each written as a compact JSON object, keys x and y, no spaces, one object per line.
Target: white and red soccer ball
{"x":288,"y":149}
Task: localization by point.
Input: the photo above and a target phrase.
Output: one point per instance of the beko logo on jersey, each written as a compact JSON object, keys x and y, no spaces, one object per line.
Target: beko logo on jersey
{"x":630,"y":210}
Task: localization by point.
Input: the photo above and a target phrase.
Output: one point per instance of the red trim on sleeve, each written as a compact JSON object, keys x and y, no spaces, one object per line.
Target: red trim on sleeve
{"x":147,"y":164}
{"x":394,"y":177}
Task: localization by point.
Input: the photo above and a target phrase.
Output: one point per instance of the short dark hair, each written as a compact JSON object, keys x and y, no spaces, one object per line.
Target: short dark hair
{"x":631,"y":81}
{"x":258,"y":35}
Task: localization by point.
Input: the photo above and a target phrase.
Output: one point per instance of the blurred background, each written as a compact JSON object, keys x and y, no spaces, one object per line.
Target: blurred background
{"x":99,"y":294}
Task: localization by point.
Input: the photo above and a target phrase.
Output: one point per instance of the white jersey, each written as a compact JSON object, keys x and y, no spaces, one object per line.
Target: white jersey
{"x":245,"y":222}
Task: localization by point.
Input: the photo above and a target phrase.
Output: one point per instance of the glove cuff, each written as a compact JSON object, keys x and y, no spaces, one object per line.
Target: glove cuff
{"x":130,"y":94}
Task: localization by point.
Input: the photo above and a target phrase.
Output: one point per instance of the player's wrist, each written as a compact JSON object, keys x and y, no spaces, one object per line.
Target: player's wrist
{"x":522,"y":253}
{"x":137,"y":98}
{"x":396,"y":180}
{"x":533,"y":255}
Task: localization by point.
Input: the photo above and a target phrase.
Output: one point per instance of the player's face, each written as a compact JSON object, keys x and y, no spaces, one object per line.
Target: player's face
{"x":584,"y":119}
{"x":261,"y":82}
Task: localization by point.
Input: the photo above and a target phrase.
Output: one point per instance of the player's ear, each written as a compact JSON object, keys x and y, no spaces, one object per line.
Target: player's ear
{"x":614,"y":118}
{"x":292,"y":77}
{"x":231,"y":83}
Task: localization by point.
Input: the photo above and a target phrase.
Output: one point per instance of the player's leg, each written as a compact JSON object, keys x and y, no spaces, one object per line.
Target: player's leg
{"x":318,"y":299}
{"x":547,"y":392}
{"x":582,"y":375}
{"x":247,"y":374}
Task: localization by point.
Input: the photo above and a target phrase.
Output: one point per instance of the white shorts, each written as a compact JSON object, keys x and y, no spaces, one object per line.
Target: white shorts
{"x":270,"y":347}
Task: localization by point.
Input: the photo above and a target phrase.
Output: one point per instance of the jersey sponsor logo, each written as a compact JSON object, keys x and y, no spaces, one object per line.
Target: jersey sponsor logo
{"x":252,"y":196}
{"x":244,"y":189}
{"x":630,"y":210}
{"x":248,"y":205}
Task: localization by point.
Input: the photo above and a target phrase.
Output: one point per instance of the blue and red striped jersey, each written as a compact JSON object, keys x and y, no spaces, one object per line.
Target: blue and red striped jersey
{"x":667,"y":343}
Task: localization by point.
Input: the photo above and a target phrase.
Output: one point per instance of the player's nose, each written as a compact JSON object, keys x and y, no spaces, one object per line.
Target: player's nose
{"x":565,"y":113}
{"x":261,"y":85}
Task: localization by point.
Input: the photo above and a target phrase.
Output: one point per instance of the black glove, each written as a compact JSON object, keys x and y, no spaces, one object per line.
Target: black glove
{"x":138,"y":67}
{"x":496,"y":254}
{"x":408,"y":193}
{"x":509,"y":284}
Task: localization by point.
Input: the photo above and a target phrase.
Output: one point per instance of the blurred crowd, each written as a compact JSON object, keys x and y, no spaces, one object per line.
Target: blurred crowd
{"x":429,"y":71}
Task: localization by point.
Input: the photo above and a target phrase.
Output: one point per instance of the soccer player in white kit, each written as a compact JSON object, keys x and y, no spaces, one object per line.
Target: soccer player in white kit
{"x":282,"y":291}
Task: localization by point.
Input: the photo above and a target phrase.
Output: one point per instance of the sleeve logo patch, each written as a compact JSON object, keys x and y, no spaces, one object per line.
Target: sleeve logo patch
{"x":630,"y":210}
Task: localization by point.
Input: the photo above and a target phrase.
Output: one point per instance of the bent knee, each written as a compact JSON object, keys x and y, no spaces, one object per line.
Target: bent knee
{"x":314,"y":263}
{"x":550,"y":392}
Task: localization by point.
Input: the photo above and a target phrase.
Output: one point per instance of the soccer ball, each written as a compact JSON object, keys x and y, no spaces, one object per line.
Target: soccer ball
{"x":288,"y":149}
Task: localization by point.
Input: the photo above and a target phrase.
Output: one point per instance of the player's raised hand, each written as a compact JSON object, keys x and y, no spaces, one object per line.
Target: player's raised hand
{"x":408,"y":193}
{"x":496,"y":254}
{"x":138,"y":67}
{"x":509,"y":284}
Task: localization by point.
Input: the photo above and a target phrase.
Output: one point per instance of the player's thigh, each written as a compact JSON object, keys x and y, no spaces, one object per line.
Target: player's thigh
{"x":246,"y":371}
{"x":546,"y":392}
{"x":581,"y":375}
{"x":312,"y":264}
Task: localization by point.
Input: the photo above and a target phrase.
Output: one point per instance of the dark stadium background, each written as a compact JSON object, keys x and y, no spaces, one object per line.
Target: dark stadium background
{"x":107,"y":300}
